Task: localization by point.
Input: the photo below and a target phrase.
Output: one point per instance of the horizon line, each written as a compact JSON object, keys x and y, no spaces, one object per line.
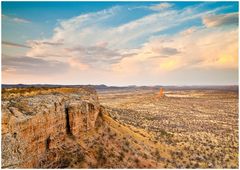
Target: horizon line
{"x":113,"y":85}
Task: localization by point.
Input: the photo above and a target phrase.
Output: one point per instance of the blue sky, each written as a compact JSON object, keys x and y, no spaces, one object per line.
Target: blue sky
{"x":108,"y":38}
{"x":44,"y":16}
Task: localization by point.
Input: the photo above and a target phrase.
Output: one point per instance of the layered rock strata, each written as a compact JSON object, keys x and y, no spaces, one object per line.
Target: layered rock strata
{"x":34,"y":124}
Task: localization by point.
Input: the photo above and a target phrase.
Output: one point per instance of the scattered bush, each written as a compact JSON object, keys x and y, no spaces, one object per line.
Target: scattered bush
{"x":121,"y":156}
{"x":136,"y":160}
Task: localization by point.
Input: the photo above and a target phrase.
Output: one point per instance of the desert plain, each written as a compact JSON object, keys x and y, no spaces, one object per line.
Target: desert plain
{"x":114,"y":127}
{"x":199,"y":127}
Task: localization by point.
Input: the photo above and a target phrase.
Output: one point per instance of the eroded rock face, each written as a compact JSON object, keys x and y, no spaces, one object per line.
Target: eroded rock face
{"x":34,"y":124}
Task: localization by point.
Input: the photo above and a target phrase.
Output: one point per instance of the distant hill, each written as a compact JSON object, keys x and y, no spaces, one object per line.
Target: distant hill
{"x":102,"y":87}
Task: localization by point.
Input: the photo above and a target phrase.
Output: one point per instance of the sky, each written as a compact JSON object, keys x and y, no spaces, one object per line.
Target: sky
{"x":120,"y":43}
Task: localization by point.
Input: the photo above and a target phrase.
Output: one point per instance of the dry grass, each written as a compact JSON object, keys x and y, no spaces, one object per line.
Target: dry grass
{"x":198,"y":128}
{"x":10,"y":93}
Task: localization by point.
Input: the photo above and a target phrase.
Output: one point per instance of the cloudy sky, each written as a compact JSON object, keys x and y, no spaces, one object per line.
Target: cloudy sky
{"x":123,"y":43}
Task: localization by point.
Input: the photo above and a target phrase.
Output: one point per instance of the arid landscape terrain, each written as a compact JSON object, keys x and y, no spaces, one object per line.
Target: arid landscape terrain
{"x":78,"y":127}
{"x":120,"y":84}
{"x":199,"y":126}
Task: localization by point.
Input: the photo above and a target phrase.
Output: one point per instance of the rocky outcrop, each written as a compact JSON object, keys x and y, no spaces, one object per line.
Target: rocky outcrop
{"x":161,"y":93}
{"x":34,"y":124}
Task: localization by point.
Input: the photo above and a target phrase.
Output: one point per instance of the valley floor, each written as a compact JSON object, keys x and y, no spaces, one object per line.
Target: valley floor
{"x":197,"y":128}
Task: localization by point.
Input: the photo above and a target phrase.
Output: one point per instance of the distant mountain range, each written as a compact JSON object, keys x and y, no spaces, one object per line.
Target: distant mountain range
{"x":133,"y":87}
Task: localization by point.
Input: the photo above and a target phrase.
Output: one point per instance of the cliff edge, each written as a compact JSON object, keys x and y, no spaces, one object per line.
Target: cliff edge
{"x":34,"y":124}
{"x":68,"y":128}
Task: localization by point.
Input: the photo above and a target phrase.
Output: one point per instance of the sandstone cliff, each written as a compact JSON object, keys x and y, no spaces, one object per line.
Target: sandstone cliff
{"x":67,"y":128}
{"x":31,"y":125}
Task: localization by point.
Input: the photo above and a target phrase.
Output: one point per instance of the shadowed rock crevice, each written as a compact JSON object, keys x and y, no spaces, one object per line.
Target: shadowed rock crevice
{"x":68,"y":127}
{"x":47,"y":143}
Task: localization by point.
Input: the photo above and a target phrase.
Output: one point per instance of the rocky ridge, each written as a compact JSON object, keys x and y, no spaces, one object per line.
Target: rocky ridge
{"x":67,"y":128}
{"x":35,"y":124}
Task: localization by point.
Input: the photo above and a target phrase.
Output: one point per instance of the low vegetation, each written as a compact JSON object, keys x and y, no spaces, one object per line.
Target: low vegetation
{"x":198,"y":127}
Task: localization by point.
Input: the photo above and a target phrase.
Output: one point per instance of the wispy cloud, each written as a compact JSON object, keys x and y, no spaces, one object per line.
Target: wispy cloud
{"x":138,"y":49}
{"x":36,"y":42}
{"x":79,"y":37}
{"x":161,"y":6}
{"x":11,"y":44}
{"x":16,"y":19}
{"x":219,"y":20}
{"x":29,"y":65}
{"x":165,"y":51}
{"x":155,"y":7}
{"x":20,"y":20}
